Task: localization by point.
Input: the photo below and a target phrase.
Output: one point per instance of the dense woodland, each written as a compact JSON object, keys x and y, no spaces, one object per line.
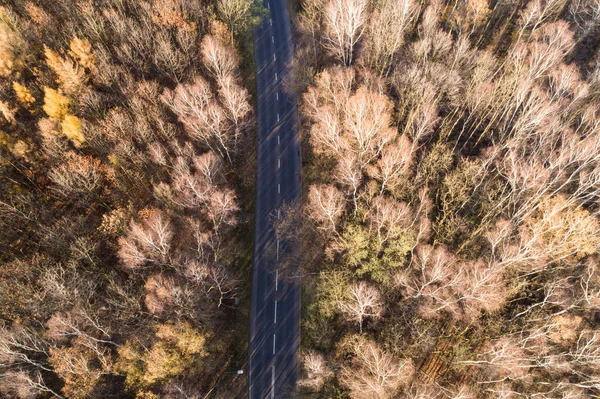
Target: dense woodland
{"x":126,"y":197}
{"x":451,"y":202}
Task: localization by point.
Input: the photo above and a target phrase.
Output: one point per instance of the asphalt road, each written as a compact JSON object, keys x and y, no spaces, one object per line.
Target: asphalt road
{"x":275,"y":310}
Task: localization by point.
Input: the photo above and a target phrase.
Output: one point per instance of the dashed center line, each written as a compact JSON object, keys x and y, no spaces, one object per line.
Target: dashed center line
{"x":273,"y":343}
{"x":272,"y":39}
{"x":277,"y":117}
{"x":278,"y":141}
{"x":275,"y":75}
{"x":276,"y":279}
{"x":272,"y":382}
{"x":269,"y":6}
{"x":277,"y":249}
{"x":274,"y":58}
{"x":279,"y":164}
{"x":275,"y":319}
{"x":277,"y":96}
{"x":278,"y":188}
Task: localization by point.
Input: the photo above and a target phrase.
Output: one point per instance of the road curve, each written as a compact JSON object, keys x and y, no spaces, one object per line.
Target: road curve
{"x":275,"y":309}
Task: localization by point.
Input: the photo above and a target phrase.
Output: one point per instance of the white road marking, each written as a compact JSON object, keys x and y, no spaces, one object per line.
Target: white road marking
{"x":276,"y":279}
{"x":271,"y":21}
{"x":279,"y":164}
{"x":272,"y":382}
{"x":275,"y":321}
{"x":277,"y":249}
{"x":273,"y":343}
{"x":275,"y":75}
{"x":277,"y":95}
{"x":272,"y":39}
{"x":278,"y":213}
{"x":277,"y":117}
{"x":269,"y":6}
{"x":278,"y":141}
{"x":278,"y":188}
{"x":274,"y":58}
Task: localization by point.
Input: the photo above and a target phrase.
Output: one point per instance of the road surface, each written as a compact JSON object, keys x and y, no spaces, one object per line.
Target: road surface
{"x":275,"y":309}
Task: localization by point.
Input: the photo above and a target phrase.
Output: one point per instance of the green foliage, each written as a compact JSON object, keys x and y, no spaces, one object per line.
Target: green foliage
{"x":366,"y":258}
{"x":331,"y":288}
{"x":131,"y":362}
{"x":357,"y":246}
{"x":242,"y":15}
{"x":457,"y":201}
{"x":436,"y":162}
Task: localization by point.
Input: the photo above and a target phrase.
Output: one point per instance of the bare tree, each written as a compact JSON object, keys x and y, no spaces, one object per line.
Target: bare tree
{"x":169,"y":59}
{"x":367,"y":124}
{"x":389,"y":218}
{"x":505,"y":359}
{"x":23,"y":385}
{"x":344,"y":26}
{"x":325,"y":206}
{"x":23,"y":346}
{"x":326,"y":133}
{"x":482,"y":288}
{"x":78,"y":175}
{"x":538,"y":12}
{"x":362,"y":301}
{"x":192,"y":189}
{"x":148,"y":241}
{"x":77,"y":323}
{"x":236,"y":101}
{"x":387,"y":28}
{"x":433,"y":276}
{"x":586,"y":15}
{"x":222,"y":209}
{"x":316,"y":368}
{"x":202,"y":116}
{"x":393,"y":164}
{"x":350,"y":174}
{"x":160,"y":293}
{"x":219,"y":55}
{"x":211,"y":167}
{"x":374,"y":373}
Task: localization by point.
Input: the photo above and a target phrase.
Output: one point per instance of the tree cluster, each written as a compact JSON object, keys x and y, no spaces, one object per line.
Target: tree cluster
{"x":126,"y":137}
{"x":452,"y":252}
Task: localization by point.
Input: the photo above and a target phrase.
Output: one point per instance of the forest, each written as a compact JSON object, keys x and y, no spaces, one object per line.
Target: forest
{"x":449,"y":229}
{"x":451,"y":195}
{"x":126,"y":197}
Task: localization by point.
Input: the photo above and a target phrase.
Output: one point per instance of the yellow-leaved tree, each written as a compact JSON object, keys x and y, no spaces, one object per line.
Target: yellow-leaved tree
{"x":81,"y":51}
{"x":70,"y":76}
{"x":71,"y":127}
{"x":56,"y":104}
{"x":562,"y":231}
{"x":179,"y":347}
{"x":24,"y":95}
